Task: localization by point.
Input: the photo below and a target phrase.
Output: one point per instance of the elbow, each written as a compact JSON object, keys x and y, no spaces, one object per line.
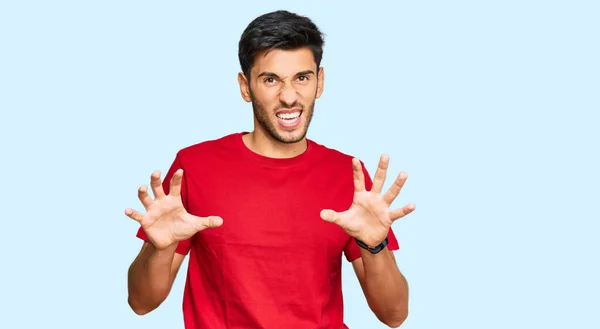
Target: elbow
{"x":138,"y":308}
{"x":396,"y":319}
{"x":392,"y":314}
{"x":142,"y":304}
{"x":395,"y":323}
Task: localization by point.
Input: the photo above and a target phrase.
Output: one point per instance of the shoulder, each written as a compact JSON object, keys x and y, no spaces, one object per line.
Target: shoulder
{"x":331,"y":157}
{"x":335,"y":159}
{"x":330,"y":154}
{"x":207,"y":147}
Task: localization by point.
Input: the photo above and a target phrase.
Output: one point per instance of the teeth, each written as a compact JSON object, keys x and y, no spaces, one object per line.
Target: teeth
{"x":288,"y":116}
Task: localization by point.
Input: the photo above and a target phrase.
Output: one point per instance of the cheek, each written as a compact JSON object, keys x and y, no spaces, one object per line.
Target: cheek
{"x":307,"y":94}
{"x":271,"y":94}
{"x":265,"y":101}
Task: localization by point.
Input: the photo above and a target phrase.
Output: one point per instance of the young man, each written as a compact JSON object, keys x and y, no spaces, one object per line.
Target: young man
{"x":266,"y":216}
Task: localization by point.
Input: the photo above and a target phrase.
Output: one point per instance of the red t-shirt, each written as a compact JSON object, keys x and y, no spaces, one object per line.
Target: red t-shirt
{"x":274,"y":263}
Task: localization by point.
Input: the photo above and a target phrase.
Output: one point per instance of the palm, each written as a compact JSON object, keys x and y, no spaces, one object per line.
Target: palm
{"x":166,"y":221}
{"x":369,"y":218}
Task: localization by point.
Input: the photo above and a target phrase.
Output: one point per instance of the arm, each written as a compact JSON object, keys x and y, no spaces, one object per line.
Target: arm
{"x":385,"y":288}
{"x":165,"y":227}
{"x":369,"y":219}
{"x":151,"y":276}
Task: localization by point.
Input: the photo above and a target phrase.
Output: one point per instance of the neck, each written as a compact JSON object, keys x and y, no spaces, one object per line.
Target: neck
{"x":265,"y":145}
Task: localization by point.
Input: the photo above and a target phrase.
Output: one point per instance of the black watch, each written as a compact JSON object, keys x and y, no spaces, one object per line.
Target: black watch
{"x":373,"y":250}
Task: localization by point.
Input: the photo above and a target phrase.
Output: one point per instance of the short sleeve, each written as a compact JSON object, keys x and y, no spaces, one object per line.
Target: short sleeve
{"x":184,"y":246}
{"x":352,"y":250}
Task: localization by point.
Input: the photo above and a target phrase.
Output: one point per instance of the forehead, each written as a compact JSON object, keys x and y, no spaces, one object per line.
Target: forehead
{"x":284,"y":62}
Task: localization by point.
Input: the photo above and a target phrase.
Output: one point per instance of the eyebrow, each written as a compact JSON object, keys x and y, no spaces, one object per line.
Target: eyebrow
{"x":273,"y":75}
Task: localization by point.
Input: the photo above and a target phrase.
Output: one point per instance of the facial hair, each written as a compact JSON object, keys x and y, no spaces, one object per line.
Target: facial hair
{"x":264,"y":119}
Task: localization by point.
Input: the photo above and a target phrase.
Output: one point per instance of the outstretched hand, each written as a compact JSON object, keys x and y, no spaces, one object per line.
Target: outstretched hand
{"x":369,"y":218}
{"x":166,"y":221}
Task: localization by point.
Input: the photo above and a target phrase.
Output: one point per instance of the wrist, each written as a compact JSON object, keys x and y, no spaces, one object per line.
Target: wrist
{"x":168,"y":249}
{"x":372,"y":249}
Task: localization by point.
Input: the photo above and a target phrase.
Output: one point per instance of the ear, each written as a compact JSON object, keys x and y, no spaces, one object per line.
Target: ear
{"x":320,"y":81}
{"x":244,"y":88}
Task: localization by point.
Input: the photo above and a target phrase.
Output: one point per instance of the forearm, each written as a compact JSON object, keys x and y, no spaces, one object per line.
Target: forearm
{"x":385,"y":287}
{"x":149,"y":278}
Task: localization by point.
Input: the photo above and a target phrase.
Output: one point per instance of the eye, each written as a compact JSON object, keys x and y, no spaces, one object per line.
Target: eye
{"x":303,"y":78}
{"x":269,"y":80}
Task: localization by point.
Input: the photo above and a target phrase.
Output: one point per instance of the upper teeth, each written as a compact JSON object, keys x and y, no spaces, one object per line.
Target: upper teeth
{"x":288,"y":115}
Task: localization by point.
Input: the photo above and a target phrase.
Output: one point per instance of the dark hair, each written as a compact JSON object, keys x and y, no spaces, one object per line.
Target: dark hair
{"x":279,"y":30}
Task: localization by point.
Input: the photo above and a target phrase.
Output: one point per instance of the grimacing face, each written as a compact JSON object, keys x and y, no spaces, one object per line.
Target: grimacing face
{"x":283,"y":87}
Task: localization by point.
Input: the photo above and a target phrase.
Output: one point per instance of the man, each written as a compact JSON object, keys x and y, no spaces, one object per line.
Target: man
{"x":266,"y":216}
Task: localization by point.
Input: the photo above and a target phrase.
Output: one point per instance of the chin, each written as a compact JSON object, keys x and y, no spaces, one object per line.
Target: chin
{"x":290,"y":137}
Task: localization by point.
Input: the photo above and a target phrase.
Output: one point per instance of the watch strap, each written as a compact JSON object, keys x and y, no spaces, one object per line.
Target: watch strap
{"x":373,"y":250}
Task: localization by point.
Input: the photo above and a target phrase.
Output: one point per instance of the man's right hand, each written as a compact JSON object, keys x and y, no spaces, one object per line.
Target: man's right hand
{"x":166,"y":221}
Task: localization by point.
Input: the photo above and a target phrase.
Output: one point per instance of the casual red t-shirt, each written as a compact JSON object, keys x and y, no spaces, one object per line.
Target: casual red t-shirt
{"x":274,"y":263}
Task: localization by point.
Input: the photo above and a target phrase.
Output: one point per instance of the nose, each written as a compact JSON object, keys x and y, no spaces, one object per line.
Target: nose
{"x":288,"y":95}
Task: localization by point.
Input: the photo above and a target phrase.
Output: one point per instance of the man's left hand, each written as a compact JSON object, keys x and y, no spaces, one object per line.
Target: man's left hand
{"x":369,"y":218}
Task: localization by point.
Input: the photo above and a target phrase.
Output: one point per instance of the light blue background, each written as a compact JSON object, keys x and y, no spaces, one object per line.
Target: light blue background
{"x":491,"y":107}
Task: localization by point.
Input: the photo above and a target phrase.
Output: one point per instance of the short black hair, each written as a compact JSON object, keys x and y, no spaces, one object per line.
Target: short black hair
{"x":279,"y":29}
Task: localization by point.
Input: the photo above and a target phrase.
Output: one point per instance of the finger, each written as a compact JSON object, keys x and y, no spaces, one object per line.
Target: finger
{"x":394,"y":190}
{"x":144,"y":196}
{"x":135,"y":215}
{"x":209,"y":222}
{"x":399,"y":213}
{"x":156,"y":185}
{"x":175,"y":188}
{"x":380,"y":174}
{"x":359,"y":177}
{"x":329,"y":215}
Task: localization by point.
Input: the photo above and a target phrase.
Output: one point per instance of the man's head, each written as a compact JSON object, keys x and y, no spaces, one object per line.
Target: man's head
{"x":280,"y":55}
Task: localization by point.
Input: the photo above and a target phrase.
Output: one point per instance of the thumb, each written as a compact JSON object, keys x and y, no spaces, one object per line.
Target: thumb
{"x":212,"y":222}
{"x":329,"y":215}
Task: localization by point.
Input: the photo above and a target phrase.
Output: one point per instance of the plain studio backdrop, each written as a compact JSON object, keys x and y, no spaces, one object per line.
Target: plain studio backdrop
{"x":491,"y":107}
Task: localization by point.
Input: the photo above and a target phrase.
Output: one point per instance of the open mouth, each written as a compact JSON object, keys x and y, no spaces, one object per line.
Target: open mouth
{"x":289,"y":119}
